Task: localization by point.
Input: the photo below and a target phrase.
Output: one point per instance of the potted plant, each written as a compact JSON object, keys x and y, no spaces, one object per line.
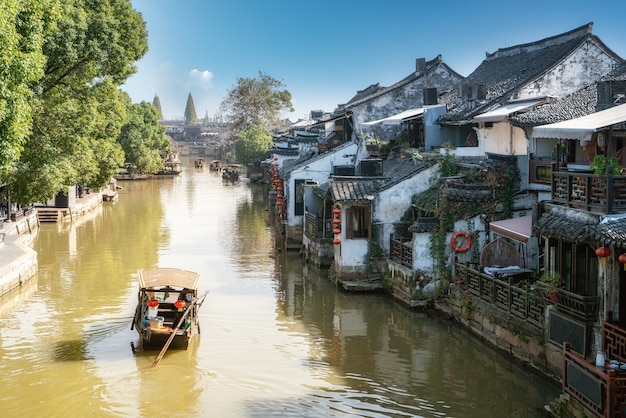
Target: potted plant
{"x":599,"y":163}
{"x":553,"y":280}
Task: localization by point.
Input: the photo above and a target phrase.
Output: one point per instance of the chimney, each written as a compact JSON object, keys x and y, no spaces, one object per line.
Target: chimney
{"x":420,"y":65}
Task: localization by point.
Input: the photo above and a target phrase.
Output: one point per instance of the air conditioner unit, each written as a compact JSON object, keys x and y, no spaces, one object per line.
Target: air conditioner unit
{"x":372,"y":167}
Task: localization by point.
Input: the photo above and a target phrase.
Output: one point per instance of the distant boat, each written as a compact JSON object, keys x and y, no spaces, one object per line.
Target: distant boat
{"x":231,"y":172}
{"x":199,"y":163}
{"x":215,"y":165}
{"x":171,"y":166}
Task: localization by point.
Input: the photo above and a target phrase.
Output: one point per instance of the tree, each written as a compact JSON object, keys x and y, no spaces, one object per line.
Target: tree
{"x":157,"y":104}
{"x":257,"y":101}
{"x":23,"y":28}
{"x":143,"y":139}
{"x":78,"y":109}
{"x":253,"y":145}
{"x":190,"y":112}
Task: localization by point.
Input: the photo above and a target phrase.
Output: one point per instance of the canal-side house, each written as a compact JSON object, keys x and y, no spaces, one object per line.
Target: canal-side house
{"x":514,"y":80}
{"x":363,"y":212}
{"x":393,"y":115}
{"x":296,"y":174}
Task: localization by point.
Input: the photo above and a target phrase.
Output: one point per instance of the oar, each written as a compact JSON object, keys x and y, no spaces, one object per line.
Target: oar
{"x":173,"y":334}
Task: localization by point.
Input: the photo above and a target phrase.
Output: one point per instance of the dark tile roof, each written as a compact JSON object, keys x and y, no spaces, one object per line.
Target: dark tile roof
{"x":580,"y":103}
{"x":510,"y":68}
{"x":355,"y":190}
{"x":611,"y":231}
{"x":564,"y":223}
{"x":375,"y":90}
{"x":359,"y":189}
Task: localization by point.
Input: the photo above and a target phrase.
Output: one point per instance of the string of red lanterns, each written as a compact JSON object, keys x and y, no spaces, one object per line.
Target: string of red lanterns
{"x":337,"y":223}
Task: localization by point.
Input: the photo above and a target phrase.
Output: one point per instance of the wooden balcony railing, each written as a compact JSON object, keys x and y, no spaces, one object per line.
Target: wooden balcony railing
{"x":589,"y":192}
{"x":317,"y":228}
{"x":401,"y":250}
{"x":602,"y":391}
{"x":524,"y":303}
{"x":527,"y":303}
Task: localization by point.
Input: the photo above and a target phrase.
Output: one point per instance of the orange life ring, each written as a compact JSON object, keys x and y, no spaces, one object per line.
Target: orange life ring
{"x":456,"y":246}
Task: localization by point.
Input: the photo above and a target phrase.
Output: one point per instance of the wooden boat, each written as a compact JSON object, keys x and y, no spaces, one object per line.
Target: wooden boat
{"x":231,"y":172}
{"x":167,"y":303}
{"x":199,"y":163}
{"x":215,"y":165}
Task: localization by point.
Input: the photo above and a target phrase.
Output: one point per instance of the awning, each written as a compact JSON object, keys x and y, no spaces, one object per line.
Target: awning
{"x":582,"y":128}
{"x":398,"y":118}
{"x":518,"y":229}
{"x":503,"y":112}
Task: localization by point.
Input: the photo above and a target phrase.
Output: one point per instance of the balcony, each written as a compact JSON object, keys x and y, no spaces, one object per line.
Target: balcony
{"x":401,"y":250}
{"x":317,"y":228}
{"x":528,"y":303}
{"x":589,"y":192}
{"x":601,"y":391}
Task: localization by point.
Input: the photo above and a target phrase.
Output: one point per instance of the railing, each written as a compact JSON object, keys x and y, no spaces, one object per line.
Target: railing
{"x":401,"y":250}
{"x":602,"y":391}
{"x":589,"y":191}
{"x":315,"y":227}
{"x":524,"y":303}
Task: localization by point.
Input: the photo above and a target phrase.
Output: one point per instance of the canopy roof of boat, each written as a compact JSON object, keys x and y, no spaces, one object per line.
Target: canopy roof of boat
{"x":161,"y":277}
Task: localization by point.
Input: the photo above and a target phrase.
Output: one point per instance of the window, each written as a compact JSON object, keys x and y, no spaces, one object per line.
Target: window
{"x":298,"y":202}
{"x":577,"y":264}
{"x":358,"y":222}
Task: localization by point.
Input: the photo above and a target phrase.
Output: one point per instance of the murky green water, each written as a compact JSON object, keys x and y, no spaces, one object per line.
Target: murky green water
{"x":277,"y":339}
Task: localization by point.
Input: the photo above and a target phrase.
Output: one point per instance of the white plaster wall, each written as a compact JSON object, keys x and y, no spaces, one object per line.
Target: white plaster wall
{"x":583,"y":67}
{"x":352,"y":252}
{"x":318,"y":170}
{"x":391,"y":204}
{"x":501,"y":139}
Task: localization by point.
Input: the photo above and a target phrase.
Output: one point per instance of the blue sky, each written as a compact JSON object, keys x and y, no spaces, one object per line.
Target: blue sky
{"x":324,"y":51}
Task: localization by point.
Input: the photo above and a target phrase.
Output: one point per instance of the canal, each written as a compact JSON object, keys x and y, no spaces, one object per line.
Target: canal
{"x":277,"y":339}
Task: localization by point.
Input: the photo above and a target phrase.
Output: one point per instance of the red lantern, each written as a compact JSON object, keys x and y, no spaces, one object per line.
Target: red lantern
{"x":153,"y":303}
{"x":603,"y":253}
{"x":336,"y":221}
{"x":180,"y":304}
{"x":336,"y":211}
{"x":279,"y":189}
{"x":622,"y":259}
{"x":336,"y":231}
{"x":279,"y":203}
{"x":336,"y":241}
{"x":279,"y":197}
{"x":275,"y":158}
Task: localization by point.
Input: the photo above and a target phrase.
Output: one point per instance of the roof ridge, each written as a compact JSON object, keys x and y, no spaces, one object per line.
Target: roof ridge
{"x":579,"y":32}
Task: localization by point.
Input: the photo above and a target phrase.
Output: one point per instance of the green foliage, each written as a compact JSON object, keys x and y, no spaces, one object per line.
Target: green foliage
{"x":257,"y":101}
{"x":253,"y":145}
{"x":600,"y":162}
{"x":447,"y":165}
{"x":191,"y":118}
{"x":552,"y":279}
{"x":23,"y":27}
{"x":90,"y":49}
{"x":143,"y":139}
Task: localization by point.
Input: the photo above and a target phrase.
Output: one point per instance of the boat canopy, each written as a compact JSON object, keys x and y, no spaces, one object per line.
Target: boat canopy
{"x":161,"y":277}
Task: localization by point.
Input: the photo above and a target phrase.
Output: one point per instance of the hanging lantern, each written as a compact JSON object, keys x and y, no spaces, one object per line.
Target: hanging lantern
{"x":275,"y":158}
{"x":279,"y":189}
{"x":336,"y":211}
{"x":603,"y":253}
{"x":153,"y":308}
{"x":336,"y":241}
{"x":622,"y":259}
{"x":180,"y":304}
{"x":336,"y":222}
{"x":279,"y":197}
{"x":336,"y":231}
{"x":279,"y":203}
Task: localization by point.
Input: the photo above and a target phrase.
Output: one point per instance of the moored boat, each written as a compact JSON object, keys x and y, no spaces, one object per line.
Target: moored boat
{"x":167,"y":308}
{"x":199,"y":163}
